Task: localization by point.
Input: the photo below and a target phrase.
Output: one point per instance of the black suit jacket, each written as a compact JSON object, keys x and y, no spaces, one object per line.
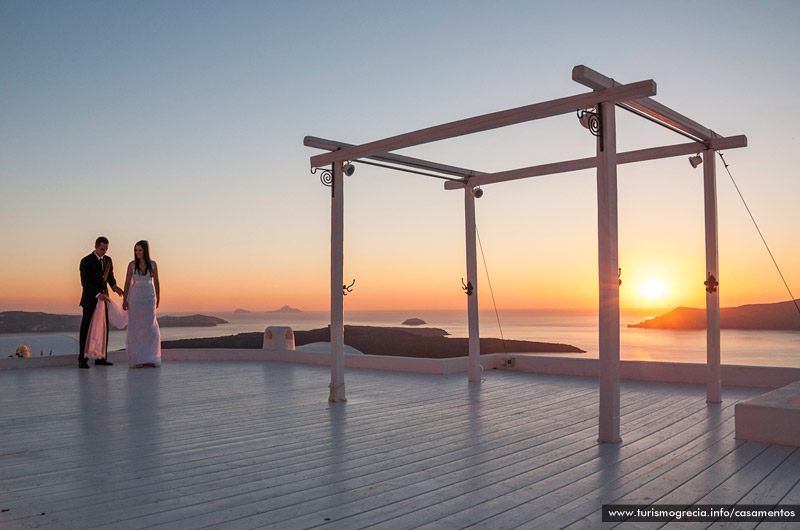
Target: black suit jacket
{"x":92,"y":278}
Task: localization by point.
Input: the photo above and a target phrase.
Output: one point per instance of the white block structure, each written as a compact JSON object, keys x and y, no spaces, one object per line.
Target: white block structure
{"x":597,"y":109}
{"x":278,"y":338}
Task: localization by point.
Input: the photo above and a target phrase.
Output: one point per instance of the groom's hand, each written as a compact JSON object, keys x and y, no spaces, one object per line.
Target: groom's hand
{"x":118,"y":290}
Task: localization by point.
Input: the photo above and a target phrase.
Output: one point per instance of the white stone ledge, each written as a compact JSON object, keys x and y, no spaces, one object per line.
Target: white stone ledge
{"x":664,"y":372}
{"x":732,"y":375}
{"x":369,"y":362}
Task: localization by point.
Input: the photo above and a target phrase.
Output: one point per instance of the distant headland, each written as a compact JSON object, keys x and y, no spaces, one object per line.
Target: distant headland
{"x":190,"y":321}
{"x":284,"y":309}
{"x":33,"y":322}
{"x":770,"y":317}
{"x":371,"y":340}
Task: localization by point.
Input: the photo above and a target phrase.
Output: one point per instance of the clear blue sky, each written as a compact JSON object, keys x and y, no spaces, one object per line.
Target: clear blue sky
{"x":182,"y":123}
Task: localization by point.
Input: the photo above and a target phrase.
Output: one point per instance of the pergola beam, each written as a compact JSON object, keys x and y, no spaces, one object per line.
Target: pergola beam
{"x":491,"y":121}
{"x":628,"y":157}
{"x":597,"y":81}
{"x":400,"y":160}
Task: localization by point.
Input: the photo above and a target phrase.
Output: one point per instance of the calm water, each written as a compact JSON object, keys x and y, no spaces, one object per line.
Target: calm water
{"x":578,"y":328}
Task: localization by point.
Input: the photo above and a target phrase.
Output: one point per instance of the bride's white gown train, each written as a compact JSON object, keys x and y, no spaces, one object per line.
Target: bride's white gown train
{"x":143,"y":341}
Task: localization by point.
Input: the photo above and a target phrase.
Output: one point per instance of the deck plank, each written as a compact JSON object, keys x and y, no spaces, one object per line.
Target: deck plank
{"x":792,"y":497}
{"x":475,"y":490}
{"x":347,"y":512}
{"x":239,"y":505}
{"x":548,"y":493}
{"x":581,"y":498}
{"x":743,"y":480}
{"x":256,"y":445}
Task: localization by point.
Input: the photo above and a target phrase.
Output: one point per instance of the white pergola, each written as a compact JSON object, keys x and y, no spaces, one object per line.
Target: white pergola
{"x":599,"y":108}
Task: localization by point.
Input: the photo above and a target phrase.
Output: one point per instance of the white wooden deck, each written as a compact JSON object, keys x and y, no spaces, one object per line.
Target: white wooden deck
{"x":240,"y":445}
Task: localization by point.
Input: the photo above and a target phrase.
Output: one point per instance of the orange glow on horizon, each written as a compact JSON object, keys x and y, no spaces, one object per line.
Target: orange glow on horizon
{"x":518,"y":282}
{"x":60,"y":294}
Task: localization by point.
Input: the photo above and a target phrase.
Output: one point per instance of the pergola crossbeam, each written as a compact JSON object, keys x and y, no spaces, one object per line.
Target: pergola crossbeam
{"x":491,"y":121}
{"x":628,"y":157}
{"x":653,"y":109}
{"x":392,"y":158}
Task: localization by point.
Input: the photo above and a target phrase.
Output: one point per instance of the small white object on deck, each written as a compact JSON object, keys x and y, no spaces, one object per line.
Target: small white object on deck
{"x":278,"y":338}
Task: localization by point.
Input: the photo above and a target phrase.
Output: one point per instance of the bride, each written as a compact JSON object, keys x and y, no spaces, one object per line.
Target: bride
{"x":142,"y":297}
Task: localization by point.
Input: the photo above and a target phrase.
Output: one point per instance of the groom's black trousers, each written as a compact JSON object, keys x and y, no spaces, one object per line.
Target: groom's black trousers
{"x":86,"y":321}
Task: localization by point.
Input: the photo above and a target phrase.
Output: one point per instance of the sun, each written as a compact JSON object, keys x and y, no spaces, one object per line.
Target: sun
{"x":653,"y":290}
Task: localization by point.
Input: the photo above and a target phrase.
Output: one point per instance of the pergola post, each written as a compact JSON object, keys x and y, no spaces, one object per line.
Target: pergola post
{"x":608,"y":265}
{"x":337,"y":281}
{"x":474,"y":371}
{"x":713,"y":370}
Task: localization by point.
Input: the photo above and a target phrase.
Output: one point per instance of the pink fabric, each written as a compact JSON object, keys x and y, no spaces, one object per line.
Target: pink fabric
{"x":96,"y":338}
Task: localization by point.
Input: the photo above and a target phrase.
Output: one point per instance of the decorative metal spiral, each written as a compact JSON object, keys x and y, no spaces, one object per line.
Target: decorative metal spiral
{"x":326,"y":177}
{"x":594,"y":123}
{"x":591,"y":120}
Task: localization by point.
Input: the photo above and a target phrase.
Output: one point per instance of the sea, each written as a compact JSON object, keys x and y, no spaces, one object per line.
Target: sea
{"x":576,"y":327}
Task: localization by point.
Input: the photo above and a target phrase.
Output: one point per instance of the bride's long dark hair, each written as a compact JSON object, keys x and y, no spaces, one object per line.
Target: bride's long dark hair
{"x":148,"y":268}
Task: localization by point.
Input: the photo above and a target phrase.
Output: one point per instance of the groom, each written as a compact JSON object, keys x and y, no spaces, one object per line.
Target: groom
{"x":96,"y":271}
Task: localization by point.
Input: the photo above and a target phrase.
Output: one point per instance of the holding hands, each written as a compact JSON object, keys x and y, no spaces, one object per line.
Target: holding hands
{"x":105,"y":298}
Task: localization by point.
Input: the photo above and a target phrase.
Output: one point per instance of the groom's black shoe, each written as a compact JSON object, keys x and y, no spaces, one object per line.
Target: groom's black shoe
{"x":103,"y":362}
{"x":83,"y":364}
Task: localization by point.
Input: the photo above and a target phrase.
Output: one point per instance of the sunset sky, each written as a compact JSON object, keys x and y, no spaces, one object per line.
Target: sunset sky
{"x":182,"y":123}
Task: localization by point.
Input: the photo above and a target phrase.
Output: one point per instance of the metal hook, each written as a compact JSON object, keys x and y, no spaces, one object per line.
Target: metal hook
{"x":711,"y":284}
{"x":467,"y":287}
{"x":619,"y":275}
{"x":348,"y":288}
{"x":326,"y":177}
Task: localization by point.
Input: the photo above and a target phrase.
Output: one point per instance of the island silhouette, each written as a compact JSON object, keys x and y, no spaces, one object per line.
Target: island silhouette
{"x":768,"y":317}
{"x":374,"y":340}
{"x":284,"y":309}
{"x":36,"y":322}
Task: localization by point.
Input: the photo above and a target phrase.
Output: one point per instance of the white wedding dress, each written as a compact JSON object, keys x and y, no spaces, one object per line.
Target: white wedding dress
{"x":143,"y":341}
